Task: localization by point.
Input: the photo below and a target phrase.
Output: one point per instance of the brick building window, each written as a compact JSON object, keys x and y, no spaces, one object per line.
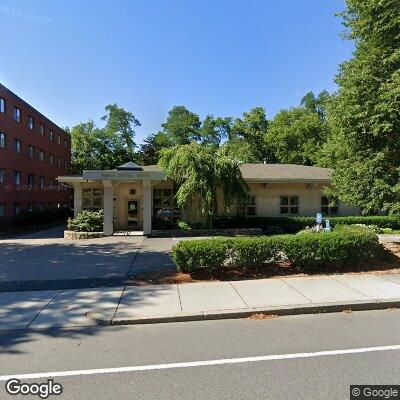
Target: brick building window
{"x":17,"y":177}
{"x":3,"y":141}
{"x":40,"y":206}
{"x":2,"y":210}
{"x":17,"y":114}
{"x":41,"y":155}
{"x":41,"y":129}
{"x":59,"y":161}
{"x":51,"y":159}
{"x":17,"y":146}
{"x":17,"y":208}
{"x":2,"y":175}
{"x":31,"y":151}
{"x":31,"y":180}
{"x":289,"y":205}
{"x":31,"y":123}
{"x":59,"y":139}
{"x":41,"y":182}
{"x":51,"y":135}
{"x":65,"y":142}
{"x":2,"y":106}
{"x":29,"y":207}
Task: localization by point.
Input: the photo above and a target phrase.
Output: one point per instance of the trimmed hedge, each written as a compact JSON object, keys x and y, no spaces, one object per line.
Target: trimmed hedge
{"x":273,"y":225}
{"x":304,"y":251}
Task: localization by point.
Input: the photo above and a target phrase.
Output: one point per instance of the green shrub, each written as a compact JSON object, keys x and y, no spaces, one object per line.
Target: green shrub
{"x":183,"y":226}
{"x":202,"y":253}
{"x":305,"y":252}
{"x":296,"y":224}
{"x":87,"y":221}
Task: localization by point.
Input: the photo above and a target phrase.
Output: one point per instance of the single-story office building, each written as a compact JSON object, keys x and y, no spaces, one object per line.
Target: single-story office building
{"x":132,"y":195}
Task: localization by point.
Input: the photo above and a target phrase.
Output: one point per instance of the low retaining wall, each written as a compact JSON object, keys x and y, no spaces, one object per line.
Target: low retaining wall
{"x":72,"y":235}
{"x":207,"y":232}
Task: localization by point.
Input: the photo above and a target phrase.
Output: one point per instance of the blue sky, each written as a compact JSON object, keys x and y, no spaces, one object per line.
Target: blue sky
{"x":71,"y":58}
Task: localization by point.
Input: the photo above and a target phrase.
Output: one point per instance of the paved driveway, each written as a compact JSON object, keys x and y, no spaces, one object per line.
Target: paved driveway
{"x":47,"y":256}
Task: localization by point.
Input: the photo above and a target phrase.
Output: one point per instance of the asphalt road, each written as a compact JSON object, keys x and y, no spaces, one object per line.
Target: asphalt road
{"x":315,"y":375}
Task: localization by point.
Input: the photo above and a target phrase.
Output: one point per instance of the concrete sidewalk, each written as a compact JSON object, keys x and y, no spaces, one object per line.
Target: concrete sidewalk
{"x":197,"y":301}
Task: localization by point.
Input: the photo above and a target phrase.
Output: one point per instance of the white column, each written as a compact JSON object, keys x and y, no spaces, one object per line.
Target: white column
{"x":147,"y":206}
{"x":77,"y":199}
{"x":108,"y":208}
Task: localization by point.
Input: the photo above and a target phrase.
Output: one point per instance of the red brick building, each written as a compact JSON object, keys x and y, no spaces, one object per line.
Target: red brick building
{"x":33,"y":152}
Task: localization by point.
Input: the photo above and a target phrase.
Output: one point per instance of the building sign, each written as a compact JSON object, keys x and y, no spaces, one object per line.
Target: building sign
{"x":123,"y":175}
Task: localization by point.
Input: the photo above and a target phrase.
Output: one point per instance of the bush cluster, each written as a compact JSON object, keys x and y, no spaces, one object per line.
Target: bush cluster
{"x":37,"y":217}
{"x":273,"y":225}
{"x":304,"y":252}
{"x":87,"y":221}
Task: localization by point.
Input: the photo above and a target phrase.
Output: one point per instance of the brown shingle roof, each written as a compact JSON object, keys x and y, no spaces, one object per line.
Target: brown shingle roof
{"x":284,"y":172}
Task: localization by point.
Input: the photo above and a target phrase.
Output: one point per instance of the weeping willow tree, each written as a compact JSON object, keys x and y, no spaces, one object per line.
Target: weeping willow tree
{"x":199,"y":171}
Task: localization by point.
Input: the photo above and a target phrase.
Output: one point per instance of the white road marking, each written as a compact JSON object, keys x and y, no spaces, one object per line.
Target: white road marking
{"x":193,"y":364}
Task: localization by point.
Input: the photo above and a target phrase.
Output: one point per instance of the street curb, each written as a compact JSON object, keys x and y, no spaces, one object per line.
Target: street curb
{"x":362,"y":305}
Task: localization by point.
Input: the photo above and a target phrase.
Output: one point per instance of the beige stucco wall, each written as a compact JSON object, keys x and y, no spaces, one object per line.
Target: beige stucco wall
{"x":267,"y":197}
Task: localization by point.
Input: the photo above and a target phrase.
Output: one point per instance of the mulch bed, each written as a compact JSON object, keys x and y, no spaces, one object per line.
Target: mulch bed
{"x":389,"y":265}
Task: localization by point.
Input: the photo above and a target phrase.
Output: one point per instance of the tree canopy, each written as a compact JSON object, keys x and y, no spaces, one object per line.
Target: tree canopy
{"x":106,"y":147}
{"x":364,"y":115}
{"x":199,"y":170}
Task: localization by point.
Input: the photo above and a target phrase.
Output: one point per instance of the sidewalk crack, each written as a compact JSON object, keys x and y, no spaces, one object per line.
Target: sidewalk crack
{"x":30,"y":323}
{"x":241,"y":298}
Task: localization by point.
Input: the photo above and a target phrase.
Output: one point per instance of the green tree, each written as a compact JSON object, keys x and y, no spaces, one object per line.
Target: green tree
{"x":253,"y":130}
{"x":149,"y":152}
{"x":365,"y":112}
{"x":199,"y":171}
{"x":182,"y":126}
{"x":215,"y":130}
{"x":107,"y":147}
{"x":120,"y":132}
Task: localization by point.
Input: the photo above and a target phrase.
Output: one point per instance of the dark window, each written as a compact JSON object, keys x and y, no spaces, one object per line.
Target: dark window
{"x":17,"y":208}
{"x":29,"y":207}
{"x":41,"y":129}
{"x":17,"y":114}
{"x":3,"y":141}
{"x":289,"y":205}
{"x":41,"y":155}
{"x":65,"y":142}
{"x":17,"y":177}
{"x":41,"y":182}
{"x":2,"y":209}
{"x":51,"y":135}
{"x":2,"y":175}
{"x":59,"y":161}
{"x":248,"y":207}
{"x":31,"y":123}
{"x":59,"y":139}
{"x":329,"y":206}
{"x":51,"y":204}
{"x":51,"y":159}
{"x":40,"y":206}
{"x":2,"y":106}
{"x":31,"y":179}
{"x":17,"y":146}
{"x":31,"y":151}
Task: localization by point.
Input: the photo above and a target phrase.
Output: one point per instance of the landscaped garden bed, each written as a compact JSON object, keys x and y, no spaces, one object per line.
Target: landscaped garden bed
{"x":346,"y":250}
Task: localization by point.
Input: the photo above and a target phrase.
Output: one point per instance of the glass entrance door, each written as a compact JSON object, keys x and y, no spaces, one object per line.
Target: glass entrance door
{"x":133,"y":214}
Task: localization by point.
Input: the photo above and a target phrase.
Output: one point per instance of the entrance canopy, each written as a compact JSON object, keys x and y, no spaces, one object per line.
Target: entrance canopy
{"x":145,"y":177}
